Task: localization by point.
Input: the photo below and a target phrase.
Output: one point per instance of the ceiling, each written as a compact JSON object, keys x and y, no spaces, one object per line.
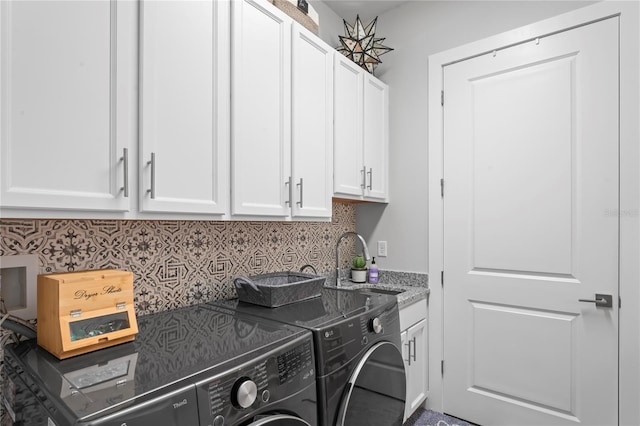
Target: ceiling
{"x":367,"y":9}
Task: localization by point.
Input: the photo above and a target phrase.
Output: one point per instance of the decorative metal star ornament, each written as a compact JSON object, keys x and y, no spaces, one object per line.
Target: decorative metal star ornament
{"x":360,"y":44}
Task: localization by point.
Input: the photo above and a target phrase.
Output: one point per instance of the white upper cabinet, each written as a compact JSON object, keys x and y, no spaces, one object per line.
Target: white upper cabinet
{"x":349,"y":173}
{"x":209,"y":109}
{"x":184,"y":106}
{"x":261,"y":109}
{"x":66,"y":106}
{"x":281,"y":156}
{"x":376,"y":137}
{"x":361,"y":120}
{"x":312,"y":125}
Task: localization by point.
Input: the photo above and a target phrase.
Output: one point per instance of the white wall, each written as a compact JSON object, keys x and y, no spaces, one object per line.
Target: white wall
{"x":330,"y":23}
{"x":416,"y":30}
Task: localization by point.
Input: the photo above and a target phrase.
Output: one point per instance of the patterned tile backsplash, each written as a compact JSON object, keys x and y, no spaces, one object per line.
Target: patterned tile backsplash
{"x":179,"y":263}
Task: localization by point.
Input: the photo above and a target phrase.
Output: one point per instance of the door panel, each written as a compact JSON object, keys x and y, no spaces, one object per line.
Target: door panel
{"x":502,"y":366}
{"x":531,"y":181}
{"x":531,"y":169}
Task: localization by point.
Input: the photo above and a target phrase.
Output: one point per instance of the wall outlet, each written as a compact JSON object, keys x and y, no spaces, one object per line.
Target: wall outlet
{"x":382,"y":248}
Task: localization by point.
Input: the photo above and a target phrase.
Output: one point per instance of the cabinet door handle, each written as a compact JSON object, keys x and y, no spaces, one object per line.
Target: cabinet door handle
{"x":408,"y":345}
{"x":415,"y":349}
{"x":370,"y":173}
{"x":152,"y":164}
{"x":125,"y":165}
{"x":301,"y":191}
{"x":288,"y":184}
{"x":363,"y":185}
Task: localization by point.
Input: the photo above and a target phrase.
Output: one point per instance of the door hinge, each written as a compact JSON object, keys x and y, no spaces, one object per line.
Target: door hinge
{"x":442,"y":97}
{"x":442,"y":367}
{"x":619,"y":302}
{"x":442,"y":278}
{"x":441,"y":188}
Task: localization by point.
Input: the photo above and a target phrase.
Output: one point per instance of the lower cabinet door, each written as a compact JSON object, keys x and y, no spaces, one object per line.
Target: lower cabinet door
{"x":414,"y":353}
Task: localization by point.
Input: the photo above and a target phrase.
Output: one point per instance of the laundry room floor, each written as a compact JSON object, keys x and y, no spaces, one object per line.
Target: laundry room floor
{"x":424,"y":417}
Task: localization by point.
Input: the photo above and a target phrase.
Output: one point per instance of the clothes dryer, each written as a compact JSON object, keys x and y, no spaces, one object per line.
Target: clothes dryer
{"x":360,"y":372}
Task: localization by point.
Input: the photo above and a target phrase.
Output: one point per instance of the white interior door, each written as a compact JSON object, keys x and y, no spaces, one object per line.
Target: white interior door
{"x":530,"y":227}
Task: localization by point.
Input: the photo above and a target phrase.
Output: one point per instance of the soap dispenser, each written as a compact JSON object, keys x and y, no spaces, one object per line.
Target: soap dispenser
{"x":373,"y":272}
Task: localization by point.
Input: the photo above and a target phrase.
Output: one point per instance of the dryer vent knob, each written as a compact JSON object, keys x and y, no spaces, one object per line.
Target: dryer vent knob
{"x":244,"y":393}
{"x":375,"y":325}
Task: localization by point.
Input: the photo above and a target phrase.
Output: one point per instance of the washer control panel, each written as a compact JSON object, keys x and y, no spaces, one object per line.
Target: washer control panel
{"x":230,"y":395}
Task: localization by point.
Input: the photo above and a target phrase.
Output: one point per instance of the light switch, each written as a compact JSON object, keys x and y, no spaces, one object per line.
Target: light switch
{"x":382,"y":248}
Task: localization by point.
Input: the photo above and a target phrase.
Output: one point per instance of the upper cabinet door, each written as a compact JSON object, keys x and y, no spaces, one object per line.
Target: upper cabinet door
{"x":312,"y":125}
{"x":261,"y":110}
{"x":184,"y":106}
{"x":66,"y":125}
{"x":376,"y":137}
{"x":348,"y":172}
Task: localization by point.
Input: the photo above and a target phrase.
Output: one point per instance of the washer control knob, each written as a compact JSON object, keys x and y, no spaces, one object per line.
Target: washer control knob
{"x":375,"y":325}
{"x":244,"y":393}
{"x":218,"y":421}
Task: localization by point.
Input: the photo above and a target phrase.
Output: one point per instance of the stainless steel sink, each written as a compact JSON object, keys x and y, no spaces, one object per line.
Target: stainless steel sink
{"x":380,"y":290}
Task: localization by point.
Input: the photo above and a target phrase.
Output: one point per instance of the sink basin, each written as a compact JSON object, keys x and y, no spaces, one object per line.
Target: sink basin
{"x":381,"y":290}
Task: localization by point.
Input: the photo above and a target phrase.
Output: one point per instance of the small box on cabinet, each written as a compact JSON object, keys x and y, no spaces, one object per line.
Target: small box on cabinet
{"x":80,"y":312}
{"x":308,"y":19}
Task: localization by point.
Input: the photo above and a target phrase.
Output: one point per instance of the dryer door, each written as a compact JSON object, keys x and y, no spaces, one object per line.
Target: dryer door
{"x":375,"y":394}
{"x":280,"y":420}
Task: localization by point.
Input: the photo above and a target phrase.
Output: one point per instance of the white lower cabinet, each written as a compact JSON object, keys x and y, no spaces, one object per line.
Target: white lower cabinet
{"x":413,"y":324}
